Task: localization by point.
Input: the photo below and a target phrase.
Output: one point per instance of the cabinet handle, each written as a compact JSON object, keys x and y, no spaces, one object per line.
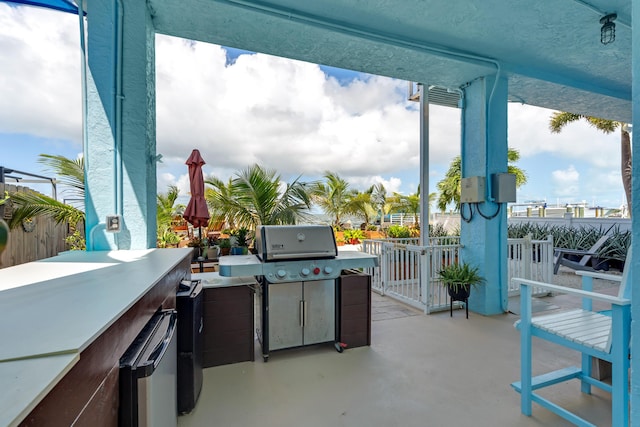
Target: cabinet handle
{"x":302,"y":313}
{"x":305,"y":314}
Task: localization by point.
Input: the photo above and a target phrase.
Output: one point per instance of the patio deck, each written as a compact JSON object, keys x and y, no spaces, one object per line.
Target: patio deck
{"x":419,"y":371}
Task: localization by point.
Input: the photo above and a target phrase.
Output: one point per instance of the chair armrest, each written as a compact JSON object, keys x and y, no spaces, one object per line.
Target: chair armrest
{"x":573,"y":251}
{"x":596,"y":275}
{"x":572,"y":291}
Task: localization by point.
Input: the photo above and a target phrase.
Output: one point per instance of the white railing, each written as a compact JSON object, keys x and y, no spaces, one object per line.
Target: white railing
{"x":530,"y":259}
{"x":402,"y":264}
{"x":399,"y":219}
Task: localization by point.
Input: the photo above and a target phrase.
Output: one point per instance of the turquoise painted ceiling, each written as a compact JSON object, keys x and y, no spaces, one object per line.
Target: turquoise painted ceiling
{"x":549,"y":50}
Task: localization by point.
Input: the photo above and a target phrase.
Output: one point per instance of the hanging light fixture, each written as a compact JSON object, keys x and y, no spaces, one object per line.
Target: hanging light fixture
{"x":608,"y":30}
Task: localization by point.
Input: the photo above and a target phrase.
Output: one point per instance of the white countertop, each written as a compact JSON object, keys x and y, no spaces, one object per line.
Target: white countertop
{"x":51,"y":310}
{"x":26,"y":382}
{"x":214,"y":280}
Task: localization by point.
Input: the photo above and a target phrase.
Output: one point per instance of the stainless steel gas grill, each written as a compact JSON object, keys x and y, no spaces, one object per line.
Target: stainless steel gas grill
{"x":296,"y":268}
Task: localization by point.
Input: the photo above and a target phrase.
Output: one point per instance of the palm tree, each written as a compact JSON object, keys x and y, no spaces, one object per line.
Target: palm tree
{"x":449,"y":186}
{"x":409,"y":204}
{"x":560,"y":119}
{"x":334,"y":197}
{"x":257,"y":196}
{"x":364,"y":204}
{"x":219,"y":195}
{"x":166,"y":211}
{"x":31,"y":204}
{"x":379,"y":199}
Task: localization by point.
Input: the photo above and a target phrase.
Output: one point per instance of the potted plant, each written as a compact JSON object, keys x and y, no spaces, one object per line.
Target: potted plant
{"x":354,"y":237}
{"x":198,"y":247}
{"x":459,"y":279}
{"x":225,"y":246}
{"x":241,"y":246}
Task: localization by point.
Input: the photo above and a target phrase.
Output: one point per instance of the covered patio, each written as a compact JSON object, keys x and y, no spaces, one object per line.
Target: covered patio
{"x":549,"y":53}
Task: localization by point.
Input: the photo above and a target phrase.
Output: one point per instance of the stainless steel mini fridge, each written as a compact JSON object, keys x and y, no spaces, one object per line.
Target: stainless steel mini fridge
{"x":148,"y":375}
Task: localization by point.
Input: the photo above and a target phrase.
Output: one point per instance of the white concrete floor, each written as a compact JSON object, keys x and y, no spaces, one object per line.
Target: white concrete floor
{"x":419,"y":371}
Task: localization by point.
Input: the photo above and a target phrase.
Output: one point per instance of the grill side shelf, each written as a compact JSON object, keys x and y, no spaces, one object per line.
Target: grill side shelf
{"x":240,"y":265}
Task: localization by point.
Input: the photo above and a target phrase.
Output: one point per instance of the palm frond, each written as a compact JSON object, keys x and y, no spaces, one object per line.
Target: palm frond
{"x":70,"y":172}
{"x":31,"y":204}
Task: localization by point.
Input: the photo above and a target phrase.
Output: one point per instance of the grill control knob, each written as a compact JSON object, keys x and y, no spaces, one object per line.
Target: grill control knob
{"x":305,"y":272}
{"x":281,"y":273}
{"x":328,"y":270}
{"x":316,"y":270}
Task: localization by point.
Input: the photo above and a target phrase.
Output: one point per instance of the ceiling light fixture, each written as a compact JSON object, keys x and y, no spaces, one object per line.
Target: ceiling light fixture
{"x":608,"y":30}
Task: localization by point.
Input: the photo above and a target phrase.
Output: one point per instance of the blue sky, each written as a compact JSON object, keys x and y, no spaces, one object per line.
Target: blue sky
{"x":298,"y":118}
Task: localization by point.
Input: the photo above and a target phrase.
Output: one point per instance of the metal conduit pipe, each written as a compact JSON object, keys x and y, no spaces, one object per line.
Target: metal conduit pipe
{"x":118,"y":198}
{"x":119,"y":12}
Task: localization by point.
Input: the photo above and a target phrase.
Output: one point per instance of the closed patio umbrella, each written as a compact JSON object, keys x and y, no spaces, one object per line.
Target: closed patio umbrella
{"x":196,"y":212}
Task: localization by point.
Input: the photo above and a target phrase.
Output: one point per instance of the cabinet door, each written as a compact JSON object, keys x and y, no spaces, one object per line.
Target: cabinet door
{"x":285,"y":324}
{"x":319,"y":297}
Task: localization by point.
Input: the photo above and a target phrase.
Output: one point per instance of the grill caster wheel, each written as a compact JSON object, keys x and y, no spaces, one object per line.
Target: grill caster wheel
{"x":339,"y":347}
{"x":265,"y":359}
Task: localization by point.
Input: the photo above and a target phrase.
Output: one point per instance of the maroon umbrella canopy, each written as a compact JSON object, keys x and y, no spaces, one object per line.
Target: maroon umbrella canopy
{"x":196,"y":212}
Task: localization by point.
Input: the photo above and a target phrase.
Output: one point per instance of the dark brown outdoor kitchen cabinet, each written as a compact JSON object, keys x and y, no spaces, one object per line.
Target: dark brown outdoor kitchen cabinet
{"x":228,"y":325}
{"x":354,"y":309}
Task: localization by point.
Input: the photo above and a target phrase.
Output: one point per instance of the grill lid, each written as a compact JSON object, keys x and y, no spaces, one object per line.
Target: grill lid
{"x":288,"y":242}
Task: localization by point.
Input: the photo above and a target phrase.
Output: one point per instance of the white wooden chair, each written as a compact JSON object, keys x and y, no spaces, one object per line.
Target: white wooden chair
{"x":603,"y":335}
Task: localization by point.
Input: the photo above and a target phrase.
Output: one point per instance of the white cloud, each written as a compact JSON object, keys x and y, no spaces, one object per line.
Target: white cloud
{"x":280,"y":113}
{"x":391,"y":185}
{"x":529,"y":133}
{"x":566,"y":182}
{"x":40,"y":76}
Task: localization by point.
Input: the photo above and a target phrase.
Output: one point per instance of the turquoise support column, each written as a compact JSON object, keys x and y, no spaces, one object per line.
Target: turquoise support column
{"x":120,"y":150}
{"x":635,"y":218}
{"x":484,"y":152}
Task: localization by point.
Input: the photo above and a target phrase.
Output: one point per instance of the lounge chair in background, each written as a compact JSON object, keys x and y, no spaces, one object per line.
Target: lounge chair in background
{"x":559,"y":256}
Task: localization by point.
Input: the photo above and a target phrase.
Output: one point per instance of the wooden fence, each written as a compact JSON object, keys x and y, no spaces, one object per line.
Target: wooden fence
{"x":42,"y":238}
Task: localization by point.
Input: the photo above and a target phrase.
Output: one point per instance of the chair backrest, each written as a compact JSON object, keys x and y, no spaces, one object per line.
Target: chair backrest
{"x":594,"y":249}
{"x":625,"y":284}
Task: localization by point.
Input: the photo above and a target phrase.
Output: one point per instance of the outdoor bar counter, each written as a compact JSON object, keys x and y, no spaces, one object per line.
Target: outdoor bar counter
{"x":64,"y":323}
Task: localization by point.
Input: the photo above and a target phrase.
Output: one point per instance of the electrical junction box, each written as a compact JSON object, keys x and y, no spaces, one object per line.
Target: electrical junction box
{"x":472,"y":189}
{"x":503,"y":187}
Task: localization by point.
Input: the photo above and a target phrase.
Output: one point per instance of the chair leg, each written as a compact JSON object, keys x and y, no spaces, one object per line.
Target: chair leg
{"x":586,"y":371}
{"x":620,"y":366}
{"x":451,"y":307}
{"x":466,"y":306}
{"x":525,"y":351}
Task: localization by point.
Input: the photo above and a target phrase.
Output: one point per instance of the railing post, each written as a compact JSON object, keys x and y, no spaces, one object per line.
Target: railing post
{"x":548,"y":276}
{"x":425,"y":283}
{"x":384,"y":267}
{"x":527,"y":256}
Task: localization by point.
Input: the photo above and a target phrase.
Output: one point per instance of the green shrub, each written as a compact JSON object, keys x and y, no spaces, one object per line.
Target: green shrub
{"x":398,"y":232}
{"x":76,"y":241}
